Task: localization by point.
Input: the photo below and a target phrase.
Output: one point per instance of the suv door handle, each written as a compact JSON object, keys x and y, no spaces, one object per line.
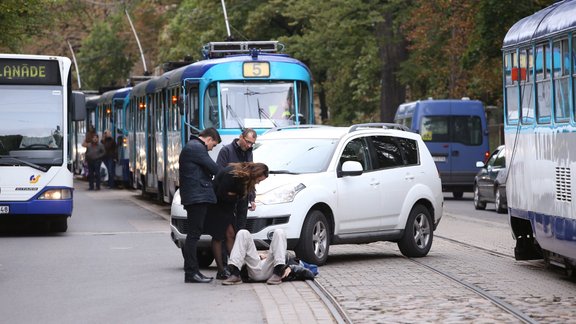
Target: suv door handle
{"x":409,"y":177}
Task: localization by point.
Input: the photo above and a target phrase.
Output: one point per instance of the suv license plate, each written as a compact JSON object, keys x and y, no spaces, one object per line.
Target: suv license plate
{"x":4,"y":209}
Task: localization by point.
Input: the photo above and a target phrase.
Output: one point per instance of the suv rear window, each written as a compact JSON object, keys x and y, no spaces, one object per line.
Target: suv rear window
{"x":394,"y":151}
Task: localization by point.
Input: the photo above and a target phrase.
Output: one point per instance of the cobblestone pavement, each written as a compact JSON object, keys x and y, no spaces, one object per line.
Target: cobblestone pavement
{"x":374,"y":283}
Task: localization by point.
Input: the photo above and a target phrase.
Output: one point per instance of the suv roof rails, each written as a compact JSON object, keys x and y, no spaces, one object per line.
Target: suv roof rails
{"x":354,"y":128}
{"x":305,"y":126}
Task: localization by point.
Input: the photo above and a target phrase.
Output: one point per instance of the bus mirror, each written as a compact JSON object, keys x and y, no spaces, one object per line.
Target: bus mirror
{"x":78,"y":106}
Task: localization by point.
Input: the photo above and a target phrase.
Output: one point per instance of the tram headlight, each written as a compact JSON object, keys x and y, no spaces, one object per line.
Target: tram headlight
{"x":56,"y":194}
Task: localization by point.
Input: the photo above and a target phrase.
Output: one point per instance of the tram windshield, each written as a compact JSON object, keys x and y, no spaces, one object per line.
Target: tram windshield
{"x":31,"y":125}
{"x":258,"y":104}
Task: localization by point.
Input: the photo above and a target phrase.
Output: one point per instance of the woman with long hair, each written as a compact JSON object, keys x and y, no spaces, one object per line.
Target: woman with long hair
{"x":230,"y":184}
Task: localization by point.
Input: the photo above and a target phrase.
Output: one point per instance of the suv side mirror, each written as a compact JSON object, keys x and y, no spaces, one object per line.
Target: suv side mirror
{"x":479,"y":164}
{"x":351,"y":168}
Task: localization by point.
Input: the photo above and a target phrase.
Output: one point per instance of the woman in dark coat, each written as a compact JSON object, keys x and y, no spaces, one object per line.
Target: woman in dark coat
{"x":230,"y":185}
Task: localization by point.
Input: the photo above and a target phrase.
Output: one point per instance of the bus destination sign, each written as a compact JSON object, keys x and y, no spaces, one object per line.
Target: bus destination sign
{"x":37,"y":72}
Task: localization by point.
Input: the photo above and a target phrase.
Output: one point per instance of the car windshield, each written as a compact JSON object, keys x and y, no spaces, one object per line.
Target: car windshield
{"x":295,"y":155}
{"x":31,"y":124}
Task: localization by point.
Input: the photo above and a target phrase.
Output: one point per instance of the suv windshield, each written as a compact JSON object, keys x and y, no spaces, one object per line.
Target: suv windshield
{"x":31,"y":125}
{"x":295,"y":155}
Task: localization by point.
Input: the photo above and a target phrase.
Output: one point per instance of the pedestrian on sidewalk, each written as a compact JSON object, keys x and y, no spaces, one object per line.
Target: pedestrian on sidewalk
{"x":231,"y":186}
{"x":94,"y":153}
{"x":110,"y":157}
{"x":270,"y":267}
{"x":196,"y":191}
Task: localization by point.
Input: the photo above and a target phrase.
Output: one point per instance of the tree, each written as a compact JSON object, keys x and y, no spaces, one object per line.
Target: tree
{"x":22,"y":20}
{"x":103,"y":50}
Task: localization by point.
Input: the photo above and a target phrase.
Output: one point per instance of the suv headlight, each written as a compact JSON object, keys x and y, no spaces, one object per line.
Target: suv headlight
{"x":56,"y":194}
{"x":280,"y":195}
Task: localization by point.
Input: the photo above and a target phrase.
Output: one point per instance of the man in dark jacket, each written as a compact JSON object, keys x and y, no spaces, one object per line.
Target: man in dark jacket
{"x":94,"y":153}
{"x":196,"y":192}
{"x":240,"y":150}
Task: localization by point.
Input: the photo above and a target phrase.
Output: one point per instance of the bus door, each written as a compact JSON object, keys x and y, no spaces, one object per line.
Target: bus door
{"x":151,"y":181}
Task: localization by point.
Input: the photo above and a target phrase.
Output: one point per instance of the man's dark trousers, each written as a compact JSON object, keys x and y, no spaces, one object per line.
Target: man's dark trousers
{"x":196,"y":215}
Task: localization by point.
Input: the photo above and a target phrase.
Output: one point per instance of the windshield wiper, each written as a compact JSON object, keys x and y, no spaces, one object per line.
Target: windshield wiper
{"x":22,"y":162}
{"x":262,"y":112}
{"x":282,"y":172}
{"x":233,"y":113}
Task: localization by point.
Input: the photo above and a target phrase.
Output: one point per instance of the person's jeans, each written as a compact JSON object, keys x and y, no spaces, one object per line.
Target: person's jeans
{"x":94,"y":173}
{"x":196,"y":215}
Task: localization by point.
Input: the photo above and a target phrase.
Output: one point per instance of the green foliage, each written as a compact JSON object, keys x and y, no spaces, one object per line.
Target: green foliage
{"x":103,"y":50}
{"x":364,"y":54}
{"x":20,"y":20}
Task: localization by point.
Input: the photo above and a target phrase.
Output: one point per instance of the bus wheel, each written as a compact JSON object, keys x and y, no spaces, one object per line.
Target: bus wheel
{"x":59,"y":226}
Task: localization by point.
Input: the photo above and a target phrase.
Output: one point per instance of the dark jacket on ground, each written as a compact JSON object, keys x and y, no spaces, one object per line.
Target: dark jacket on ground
{"x":196,"y":170}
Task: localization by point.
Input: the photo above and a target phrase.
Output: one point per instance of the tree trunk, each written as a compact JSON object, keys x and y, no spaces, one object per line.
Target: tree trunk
{"x":392,"y":52}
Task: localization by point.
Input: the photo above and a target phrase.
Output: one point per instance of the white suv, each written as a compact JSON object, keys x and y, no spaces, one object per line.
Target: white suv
{"x":341,"y":185}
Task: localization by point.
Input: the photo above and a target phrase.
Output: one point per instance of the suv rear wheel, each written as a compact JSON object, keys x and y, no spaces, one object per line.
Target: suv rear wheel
{"x":314,"y":242}
{"x":418,"y":234}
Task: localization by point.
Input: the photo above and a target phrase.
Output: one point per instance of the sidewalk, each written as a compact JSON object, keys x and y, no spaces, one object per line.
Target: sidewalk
{"x":290,"y":302}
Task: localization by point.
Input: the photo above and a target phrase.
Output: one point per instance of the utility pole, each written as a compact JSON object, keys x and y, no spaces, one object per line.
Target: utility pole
{"x":226,"y":20}
{"x":138,"y":42}
{"x":75,"y":65}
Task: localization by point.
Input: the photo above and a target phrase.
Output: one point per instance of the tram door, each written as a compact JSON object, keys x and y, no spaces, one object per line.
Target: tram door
{"x":151,"y":144}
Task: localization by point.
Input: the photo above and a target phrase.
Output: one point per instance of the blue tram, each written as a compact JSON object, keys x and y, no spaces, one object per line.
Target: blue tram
{"x":237,"y":85}
{"x":539,"y":74}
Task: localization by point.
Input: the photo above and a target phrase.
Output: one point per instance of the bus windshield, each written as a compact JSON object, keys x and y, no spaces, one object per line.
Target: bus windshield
{"x":31,"y":124}
{"x":257,"y":105}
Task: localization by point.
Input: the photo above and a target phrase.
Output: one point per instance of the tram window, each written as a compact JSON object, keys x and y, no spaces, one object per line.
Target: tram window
{"x":211,"y":106}
{"x":543,"y":110}
{"x":561,"y":60}
{"x":304,"y":103}
{"x":511,"y":90}
{"x":527,"y":88}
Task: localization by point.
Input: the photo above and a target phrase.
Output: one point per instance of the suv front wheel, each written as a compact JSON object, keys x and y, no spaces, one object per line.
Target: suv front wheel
{"x":418,"y":234}
{"x":314,"y":239}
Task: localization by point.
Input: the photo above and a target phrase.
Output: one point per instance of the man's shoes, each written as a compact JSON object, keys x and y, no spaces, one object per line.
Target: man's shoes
{"x":203,"y":276}
{"x":232,"y":280}
{"x":196,"y":278}
{"x":274,"y":280}
{"x":223,"y":275}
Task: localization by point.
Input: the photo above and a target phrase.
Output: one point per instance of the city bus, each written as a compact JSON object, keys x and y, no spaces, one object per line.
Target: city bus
{"x":539,"y":57}
{"x":37,"y":107}
{"x":237,"y":85}
{"x":456,"y":134}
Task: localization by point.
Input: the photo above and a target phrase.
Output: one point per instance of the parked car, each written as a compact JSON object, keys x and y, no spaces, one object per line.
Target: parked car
{"x":490,"y":181}
{"x":341,"y":185}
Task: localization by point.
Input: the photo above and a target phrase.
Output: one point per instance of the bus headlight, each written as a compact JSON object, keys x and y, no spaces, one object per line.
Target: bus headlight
{"x":56,"y":194}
